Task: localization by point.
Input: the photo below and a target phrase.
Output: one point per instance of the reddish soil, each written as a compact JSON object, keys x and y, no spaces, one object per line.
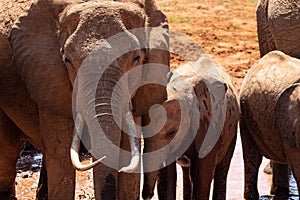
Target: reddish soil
{"x":226,"y":29}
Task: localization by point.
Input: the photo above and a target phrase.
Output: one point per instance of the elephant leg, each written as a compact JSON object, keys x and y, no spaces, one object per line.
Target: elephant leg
{"x":105,"y":182}
{"x":221,"y":173}
{"x":166,"y":184}
{"x":187,"y":184}
{"x":149,"y":185}
{"x":292,"y":154}
{"x":252,"y":161}
{"x":280,"y":179}
{"x":295,"y":167}
{"x":10,"y":148}
{"x":42,"y":189}
{"x":128,"y":183}
{"x":56,"y":133}
{"x":202,"y":173}
{"x":128,"y":186}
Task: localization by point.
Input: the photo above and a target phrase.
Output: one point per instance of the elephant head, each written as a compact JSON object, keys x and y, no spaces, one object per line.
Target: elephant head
{"x":54,"y":39}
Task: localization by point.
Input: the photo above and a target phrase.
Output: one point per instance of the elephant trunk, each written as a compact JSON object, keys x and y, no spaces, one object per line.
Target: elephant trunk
{"x":150,"y":175}
{"x":108,"y":115}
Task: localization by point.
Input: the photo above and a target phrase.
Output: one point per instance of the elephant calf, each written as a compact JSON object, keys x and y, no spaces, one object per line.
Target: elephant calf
{"x":269,"y":124}
{"x":200,"y":131}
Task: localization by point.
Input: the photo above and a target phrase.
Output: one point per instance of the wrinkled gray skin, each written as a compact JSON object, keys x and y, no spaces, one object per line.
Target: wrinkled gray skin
{"x":184,"y":121}
{"x":278,"y":26}
{"x":269,"y":119}
{"x":38,"y":66}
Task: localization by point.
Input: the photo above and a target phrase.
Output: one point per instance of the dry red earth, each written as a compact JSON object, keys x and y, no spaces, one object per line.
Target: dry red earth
{"x":226,"y":29}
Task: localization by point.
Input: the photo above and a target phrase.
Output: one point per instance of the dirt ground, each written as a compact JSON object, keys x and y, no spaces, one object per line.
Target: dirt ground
{"x":226,"y":29}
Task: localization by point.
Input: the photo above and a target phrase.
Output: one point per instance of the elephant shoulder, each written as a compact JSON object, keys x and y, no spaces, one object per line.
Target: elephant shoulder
{"x":287,"y":114}
{"x":8,"y":74}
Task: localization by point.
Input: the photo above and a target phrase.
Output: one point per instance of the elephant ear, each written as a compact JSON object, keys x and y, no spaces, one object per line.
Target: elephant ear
{"x":287,"y":115}
{"x":35,"y":44}
{"x":212,"y":105}
{"x":158,"y":58}
{"x":265,"y":38}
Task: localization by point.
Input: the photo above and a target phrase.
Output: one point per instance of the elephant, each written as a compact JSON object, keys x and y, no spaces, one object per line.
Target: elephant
{"x":278,"y":29}
{"x":267,"y":99}
{"x":200,"y":131}
{"x":278,"y":26}
{"x":41,"y":71}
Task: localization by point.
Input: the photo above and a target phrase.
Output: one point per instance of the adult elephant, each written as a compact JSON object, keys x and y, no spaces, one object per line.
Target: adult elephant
{"x":278,"y":26}
{"x":49,"y":44}
{"x":200,"y":130}
{"x":268,"y":98}
{"x":278,"y":29}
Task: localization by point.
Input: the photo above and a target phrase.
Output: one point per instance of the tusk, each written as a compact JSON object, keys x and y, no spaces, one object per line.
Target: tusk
{"x":134,"y":165}
{"x":74,"y":151}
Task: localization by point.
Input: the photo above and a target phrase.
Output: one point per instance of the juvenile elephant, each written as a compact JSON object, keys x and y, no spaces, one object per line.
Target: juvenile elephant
{"x":200,"y":131}
{"x":269,"y":118}
{"x":47,"y":48}
{"x":278,"y":26}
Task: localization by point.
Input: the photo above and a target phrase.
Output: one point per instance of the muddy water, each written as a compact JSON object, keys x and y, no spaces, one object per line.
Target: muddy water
{"x":29,"y":166}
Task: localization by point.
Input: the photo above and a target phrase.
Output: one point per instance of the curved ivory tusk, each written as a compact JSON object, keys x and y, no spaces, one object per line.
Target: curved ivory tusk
{"x":134,"y":165}
{"x":76,"y":145}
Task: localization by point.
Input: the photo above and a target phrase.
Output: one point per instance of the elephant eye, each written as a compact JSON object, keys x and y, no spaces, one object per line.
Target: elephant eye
{"x":67,"y":60}
{"x":171,"y":132}
{"x":136,"y":57}
{"x":64,"y":57}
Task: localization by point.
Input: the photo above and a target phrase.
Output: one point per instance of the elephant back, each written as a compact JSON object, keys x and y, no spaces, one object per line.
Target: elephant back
{"x":259,"y":94}
{"x":10,"y":11}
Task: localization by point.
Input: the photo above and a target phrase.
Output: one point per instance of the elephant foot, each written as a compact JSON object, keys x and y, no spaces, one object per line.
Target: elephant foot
{"x":7,"y":196}
{"x":279,"y":191}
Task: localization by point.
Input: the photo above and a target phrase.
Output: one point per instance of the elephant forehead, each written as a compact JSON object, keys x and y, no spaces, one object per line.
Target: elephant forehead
{"x":97,"y":21}
{"x":283,"y":8}
{"x":107,"y":13}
